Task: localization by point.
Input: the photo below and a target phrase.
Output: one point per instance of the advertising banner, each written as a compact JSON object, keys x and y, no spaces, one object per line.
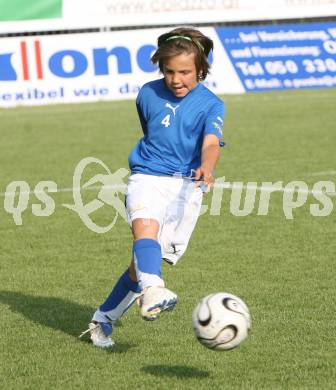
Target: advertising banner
{"x":114,"y":65}
{"x":156,"y":12}
{"x":91,"y":67}
{"x":81,"y":14}
{"x":283,"y":56}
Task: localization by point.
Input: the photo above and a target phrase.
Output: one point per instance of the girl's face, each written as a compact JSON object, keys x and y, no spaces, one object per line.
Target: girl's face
{"x":180,"y":74}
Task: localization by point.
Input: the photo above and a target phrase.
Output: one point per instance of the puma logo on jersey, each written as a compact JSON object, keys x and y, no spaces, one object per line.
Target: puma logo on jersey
{"x":168,"y":105}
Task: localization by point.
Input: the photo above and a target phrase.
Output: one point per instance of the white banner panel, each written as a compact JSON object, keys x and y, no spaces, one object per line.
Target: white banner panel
{"x":91,"y":67}
{"x":156,"y":12}
{"x":119,"y":13}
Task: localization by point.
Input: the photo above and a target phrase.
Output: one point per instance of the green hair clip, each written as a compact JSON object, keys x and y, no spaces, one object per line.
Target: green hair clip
{"x":186,"y":38}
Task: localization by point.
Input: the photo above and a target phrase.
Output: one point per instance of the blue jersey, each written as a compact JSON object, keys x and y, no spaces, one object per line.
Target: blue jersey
{"x":174,"y":129}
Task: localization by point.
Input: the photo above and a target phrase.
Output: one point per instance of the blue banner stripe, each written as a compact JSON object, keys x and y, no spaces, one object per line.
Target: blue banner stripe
{"x":290,"y":56}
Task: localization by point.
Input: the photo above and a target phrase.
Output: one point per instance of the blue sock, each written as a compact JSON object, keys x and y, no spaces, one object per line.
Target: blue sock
{"x":123,"y":295}
{"x":147,"y":259}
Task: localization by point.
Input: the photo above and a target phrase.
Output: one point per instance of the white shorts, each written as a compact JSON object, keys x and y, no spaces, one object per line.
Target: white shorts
{"x":172,"y":201}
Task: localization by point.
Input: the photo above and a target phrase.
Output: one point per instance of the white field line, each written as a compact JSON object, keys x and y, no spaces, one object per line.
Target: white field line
{"x":225,"y":185}
{"x":251,"y":98}
{"x":323,"y":173}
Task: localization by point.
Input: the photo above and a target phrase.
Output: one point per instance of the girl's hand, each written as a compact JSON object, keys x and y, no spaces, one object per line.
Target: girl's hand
{"x":203,"y":176}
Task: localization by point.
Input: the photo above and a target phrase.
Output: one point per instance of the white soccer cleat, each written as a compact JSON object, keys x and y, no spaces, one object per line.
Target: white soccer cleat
{"x":155,"y":300}
{"x":100,"y":334}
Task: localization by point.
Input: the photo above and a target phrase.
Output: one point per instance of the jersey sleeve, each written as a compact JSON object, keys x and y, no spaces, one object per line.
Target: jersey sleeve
{"x":140,"y":105}
{"x":214,"y":122}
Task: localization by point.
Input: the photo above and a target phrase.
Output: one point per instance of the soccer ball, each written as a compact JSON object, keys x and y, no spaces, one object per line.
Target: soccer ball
{"x":221,"y":321}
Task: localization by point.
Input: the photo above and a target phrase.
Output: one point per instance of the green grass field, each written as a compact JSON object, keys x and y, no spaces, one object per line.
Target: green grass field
{"x":54,"y":271}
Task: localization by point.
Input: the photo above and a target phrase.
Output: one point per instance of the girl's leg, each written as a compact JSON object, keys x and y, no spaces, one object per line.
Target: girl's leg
{"x":147,"y":256}
{"x":122,"y":296}
{"x":147,"y":264}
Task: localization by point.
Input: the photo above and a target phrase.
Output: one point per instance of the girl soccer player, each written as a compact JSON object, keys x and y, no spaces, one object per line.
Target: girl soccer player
{"x":181,"y":121}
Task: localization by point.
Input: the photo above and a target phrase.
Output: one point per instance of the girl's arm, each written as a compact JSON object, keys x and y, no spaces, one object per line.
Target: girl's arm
{"x":210,"y":156}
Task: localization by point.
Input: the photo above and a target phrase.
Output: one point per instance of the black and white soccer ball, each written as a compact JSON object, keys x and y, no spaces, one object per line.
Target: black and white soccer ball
{"x":221,"y":321}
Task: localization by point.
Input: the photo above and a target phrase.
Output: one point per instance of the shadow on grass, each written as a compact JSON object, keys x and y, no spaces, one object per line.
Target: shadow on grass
{"x":181,"y":372}
{"x":56,"y":313}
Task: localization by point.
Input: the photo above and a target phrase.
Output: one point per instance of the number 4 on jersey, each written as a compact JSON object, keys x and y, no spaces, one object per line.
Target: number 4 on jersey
{"x":166,"y":120}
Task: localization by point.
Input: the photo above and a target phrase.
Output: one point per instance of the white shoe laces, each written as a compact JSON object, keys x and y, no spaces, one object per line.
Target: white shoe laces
{"x":87,"y":331}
